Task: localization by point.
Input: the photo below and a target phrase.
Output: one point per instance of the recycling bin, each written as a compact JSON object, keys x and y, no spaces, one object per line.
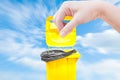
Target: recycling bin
{"x":63,"y":68}
{"x":53,"y":37}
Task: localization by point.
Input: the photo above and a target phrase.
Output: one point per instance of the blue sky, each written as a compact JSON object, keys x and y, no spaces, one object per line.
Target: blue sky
{"x":22,"y":39}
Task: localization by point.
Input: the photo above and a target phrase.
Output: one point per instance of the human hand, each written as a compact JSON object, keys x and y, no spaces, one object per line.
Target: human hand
{"x":82,"y":12}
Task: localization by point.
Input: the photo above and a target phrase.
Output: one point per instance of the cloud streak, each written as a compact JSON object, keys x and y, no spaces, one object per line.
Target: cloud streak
{"x":22,"y":31}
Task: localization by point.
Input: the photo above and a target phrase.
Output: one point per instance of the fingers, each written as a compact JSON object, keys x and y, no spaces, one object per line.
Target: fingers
{"x":69,"y":27}
{"x":59,"y":17}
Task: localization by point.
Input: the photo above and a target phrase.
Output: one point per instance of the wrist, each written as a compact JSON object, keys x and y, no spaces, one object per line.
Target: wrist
{"x":100,"y":9}
{"x":103,"y":9}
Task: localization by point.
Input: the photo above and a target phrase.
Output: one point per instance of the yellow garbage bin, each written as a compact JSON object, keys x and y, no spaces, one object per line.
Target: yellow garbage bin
{"x":64,"y":68}
{"x":53,"y":37}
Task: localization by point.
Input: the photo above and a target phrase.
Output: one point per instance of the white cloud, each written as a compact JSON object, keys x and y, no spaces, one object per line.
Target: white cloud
{"x":6,"y":75}
{"x":108,"y":69}
{"x":22,"y":36}
{"x":113,"y":1}
{"x":22,"y":40}
{"x":20,"y":50}
{"x":23,"y":44}
{"x":106,"y":42}
{"x":15,"y":42}
{"x":36,"y":64}
{"x":27,"y":18}
{"x":24,"y":13}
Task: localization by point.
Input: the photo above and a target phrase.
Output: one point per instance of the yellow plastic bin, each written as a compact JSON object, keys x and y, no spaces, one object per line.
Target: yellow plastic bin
{"x":64,"y":68}
{"x":53,"y":37}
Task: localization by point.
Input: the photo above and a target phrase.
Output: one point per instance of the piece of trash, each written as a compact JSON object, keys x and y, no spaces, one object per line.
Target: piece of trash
{"x":51,"y":55}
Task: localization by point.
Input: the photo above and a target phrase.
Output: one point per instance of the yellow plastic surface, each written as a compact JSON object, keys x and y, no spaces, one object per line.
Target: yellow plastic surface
{"x":53,"y":37}
{"x":62,"y":69}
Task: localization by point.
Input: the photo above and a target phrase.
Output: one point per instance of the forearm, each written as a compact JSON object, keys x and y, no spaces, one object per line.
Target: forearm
{"x":111,"y":14}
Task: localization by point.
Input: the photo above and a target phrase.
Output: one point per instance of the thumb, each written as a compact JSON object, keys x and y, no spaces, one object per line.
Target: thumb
{"x":69,"y":26}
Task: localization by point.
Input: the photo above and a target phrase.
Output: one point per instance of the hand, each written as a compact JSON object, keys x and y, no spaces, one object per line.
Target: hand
{"x":82,"y":12}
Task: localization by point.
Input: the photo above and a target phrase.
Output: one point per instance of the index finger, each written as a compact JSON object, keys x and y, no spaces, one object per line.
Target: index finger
{"x":59,"y":17}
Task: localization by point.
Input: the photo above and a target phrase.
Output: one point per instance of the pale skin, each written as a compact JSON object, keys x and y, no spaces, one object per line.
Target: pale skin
{"x":85,"y":11}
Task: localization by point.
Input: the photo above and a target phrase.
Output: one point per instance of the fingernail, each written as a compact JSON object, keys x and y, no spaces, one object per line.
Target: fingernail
{"x":62,"y":34}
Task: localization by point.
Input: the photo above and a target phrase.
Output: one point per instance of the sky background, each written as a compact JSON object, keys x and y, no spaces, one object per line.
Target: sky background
{"x":22,"y":39}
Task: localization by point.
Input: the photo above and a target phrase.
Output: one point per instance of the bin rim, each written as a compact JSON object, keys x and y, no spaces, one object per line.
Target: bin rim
{"x":74,"y":55}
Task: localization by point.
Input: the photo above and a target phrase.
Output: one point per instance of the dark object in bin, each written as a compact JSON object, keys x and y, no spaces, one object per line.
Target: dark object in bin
{"x":51,"y":55}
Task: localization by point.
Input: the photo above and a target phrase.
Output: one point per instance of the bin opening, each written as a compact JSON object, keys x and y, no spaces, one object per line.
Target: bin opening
{"x":51,"y":55}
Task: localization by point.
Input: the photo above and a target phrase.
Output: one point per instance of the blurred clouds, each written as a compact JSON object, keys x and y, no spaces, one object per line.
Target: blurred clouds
{"x":113,"y":1}
{"x":106,"y":42}
{"x":107,"y":69}
{"x":22,"y":36}
{"x":22,"y":29}
{"x":6,"y":75}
